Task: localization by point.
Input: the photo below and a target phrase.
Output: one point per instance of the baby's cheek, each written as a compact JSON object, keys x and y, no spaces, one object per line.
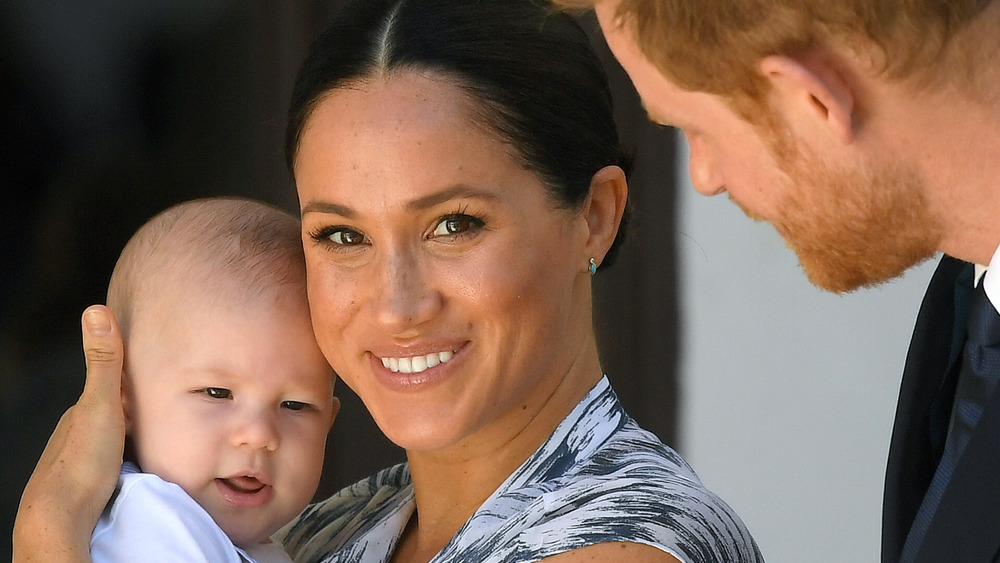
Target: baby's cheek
{"x":181,"y":451}
{"x":307,"y":459}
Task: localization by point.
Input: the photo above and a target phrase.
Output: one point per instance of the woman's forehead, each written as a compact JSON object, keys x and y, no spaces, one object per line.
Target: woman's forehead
{"x":393,"y":102}
{"x":406,"y":129}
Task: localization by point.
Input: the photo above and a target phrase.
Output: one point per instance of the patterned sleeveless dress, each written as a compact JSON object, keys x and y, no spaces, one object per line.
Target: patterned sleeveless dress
{"x":598,"y":478}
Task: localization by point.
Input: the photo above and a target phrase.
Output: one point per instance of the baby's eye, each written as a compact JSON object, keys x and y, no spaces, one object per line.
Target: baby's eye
{"x":294,"y":405}
{"x":457,"y":224}
{"x":218,"y":392}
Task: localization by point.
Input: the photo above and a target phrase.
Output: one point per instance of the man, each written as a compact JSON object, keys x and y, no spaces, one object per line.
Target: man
{"x":866,"y":132}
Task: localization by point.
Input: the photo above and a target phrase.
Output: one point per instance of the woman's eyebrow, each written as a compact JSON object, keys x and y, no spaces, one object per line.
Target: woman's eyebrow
{"x":453,"y":192}
{"x":328,"y":207}
{"x":421,"y":203}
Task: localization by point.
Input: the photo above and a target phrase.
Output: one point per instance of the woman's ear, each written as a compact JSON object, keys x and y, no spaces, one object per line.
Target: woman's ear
{"x":603,"y":211}
{"x":810,"y":91}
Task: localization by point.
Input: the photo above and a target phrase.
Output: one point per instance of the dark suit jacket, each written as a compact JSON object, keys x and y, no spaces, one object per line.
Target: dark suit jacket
{"x":966,"y":526}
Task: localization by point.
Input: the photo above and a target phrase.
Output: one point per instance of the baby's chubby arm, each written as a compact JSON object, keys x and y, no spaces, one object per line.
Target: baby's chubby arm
{"x":78,"y":470}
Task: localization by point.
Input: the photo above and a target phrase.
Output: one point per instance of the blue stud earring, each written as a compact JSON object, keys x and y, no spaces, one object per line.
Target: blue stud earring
{"x":593,"y":267}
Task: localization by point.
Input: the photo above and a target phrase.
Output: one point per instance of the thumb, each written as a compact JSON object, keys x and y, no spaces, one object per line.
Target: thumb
{"x":103,"y":348}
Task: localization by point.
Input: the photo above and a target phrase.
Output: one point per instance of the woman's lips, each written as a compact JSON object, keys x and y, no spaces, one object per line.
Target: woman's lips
{"x":417,"y":364}
{"x":244,"y":491}
{"x":413,"y":372}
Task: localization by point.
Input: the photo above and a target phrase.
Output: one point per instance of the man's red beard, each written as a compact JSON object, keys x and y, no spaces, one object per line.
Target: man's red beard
{"x":853,"y":228}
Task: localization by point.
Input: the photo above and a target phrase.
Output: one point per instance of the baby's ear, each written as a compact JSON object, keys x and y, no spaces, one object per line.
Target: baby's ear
{"x":335,"y":408}
{"x":126,"y":401}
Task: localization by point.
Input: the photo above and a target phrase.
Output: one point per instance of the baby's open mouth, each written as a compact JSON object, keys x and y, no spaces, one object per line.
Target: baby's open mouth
{"x":245,"y":491}
{"x":243,"y":484}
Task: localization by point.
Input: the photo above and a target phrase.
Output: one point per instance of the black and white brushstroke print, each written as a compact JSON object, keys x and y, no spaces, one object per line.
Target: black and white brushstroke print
{"x":598,"y":478}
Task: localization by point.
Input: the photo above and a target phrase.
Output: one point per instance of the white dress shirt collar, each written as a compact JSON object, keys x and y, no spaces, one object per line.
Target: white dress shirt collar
{"x":991,"y":283}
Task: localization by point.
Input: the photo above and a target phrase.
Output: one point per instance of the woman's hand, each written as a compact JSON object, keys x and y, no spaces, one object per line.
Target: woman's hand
{"x":78,"y":470}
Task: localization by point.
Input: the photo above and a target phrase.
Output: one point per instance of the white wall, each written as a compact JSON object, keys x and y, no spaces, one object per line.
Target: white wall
{"x":788,"y":393}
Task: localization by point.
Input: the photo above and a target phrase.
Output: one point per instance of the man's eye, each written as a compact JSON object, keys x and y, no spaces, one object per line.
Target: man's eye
{"x":218,"y":392}
{"x":457,"y":224}
{"x":294,"y":405}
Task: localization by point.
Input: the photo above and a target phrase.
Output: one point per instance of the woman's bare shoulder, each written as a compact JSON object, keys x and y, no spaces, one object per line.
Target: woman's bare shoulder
{"x":614,"y":551}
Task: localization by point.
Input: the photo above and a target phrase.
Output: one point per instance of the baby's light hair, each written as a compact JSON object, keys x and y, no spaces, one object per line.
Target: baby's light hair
{"x":233,"y":247}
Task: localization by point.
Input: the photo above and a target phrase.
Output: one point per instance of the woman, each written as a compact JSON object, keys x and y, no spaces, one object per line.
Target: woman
{"x":460,"y":180}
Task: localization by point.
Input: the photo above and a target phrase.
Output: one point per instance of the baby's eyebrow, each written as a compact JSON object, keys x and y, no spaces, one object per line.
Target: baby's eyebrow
{"x":218,"y":375}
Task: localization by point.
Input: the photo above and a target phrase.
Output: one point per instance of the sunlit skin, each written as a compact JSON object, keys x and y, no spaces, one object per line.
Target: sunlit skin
{"x":232,"y":395}
{"x":727,"y":155}
{"x":423,"y":234}
{"x":852,"y":220}
{"x":944,"y":139}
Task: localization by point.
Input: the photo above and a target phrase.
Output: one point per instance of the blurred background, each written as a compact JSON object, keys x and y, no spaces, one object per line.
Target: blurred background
{"x":780,"y":396}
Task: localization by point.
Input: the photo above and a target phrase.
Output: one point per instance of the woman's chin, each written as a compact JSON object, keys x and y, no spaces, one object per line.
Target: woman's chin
{"x":417,"y":432}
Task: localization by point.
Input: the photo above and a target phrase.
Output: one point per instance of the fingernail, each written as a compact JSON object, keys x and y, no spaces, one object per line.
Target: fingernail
{"x":98,"y":322}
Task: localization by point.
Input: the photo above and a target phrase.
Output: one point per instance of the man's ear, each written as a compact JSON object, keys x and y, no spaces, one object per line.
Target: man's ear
{"x":809,"y":88}
{"x":603,"y":211}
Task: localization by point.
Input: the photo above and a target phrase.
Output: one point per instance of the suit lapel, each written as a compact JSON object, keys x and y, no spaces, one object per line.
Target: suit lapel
{"x":966,"y":526}
{"x":914,"y":449}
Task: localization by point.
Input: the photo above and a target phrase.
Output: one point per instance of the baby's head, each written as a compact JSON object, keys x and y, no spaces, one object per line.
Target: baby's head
{"x":226,"y":392}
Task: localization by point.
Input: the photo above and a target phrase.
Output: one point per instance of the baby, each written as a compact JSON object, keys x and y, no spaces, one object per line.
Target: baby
{"x":227,"y":397}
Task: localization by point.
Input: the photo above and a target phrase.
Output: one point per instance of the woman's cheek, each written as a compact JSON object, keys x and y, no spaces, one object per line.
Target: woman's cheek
{"x":333,"y":304}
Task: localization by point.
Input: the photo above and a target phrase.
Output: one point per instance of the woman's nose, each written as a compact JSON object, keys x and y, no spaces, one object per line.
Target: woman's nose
{"x":702,"y":166}
{"x":256,"y":431}
{"x":405,"y":296}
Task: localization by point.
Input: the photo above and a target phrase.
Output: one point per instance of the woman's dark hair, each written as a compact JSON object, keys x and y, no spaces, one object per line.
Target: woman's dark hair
{"x":529,"y":68}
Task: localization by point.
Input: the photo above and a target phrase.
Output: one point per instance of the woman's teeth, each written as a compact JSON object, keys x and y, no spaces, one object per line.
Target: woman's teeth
{"x":416,"y":364}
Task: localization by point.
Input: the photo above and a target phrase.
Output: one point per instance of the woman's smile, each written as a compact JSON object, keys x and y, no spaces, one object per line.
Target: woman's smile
{"x":417,"y":364}
{"x":415,"y":373}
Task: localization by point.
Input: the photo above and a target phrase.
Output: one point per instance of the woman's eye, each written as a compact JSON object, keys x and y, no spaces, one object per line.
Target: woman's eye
{"x":456,"y":225}
{"x":340,"y":236}
{"x":218,"y":392}
{"x":346,"y":237}
{"x":294,"y":405}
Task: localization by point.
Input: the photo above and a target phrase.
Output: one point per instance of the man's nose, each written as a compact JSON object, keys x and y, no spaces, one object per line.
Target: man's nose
{"x":704,"y":172}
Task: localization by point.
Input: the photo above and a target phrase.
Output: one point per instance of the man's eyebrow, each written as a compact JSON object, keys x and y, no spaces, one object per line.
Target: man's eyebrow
{"x":652,"y":115}
{"x":421,"y":203}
